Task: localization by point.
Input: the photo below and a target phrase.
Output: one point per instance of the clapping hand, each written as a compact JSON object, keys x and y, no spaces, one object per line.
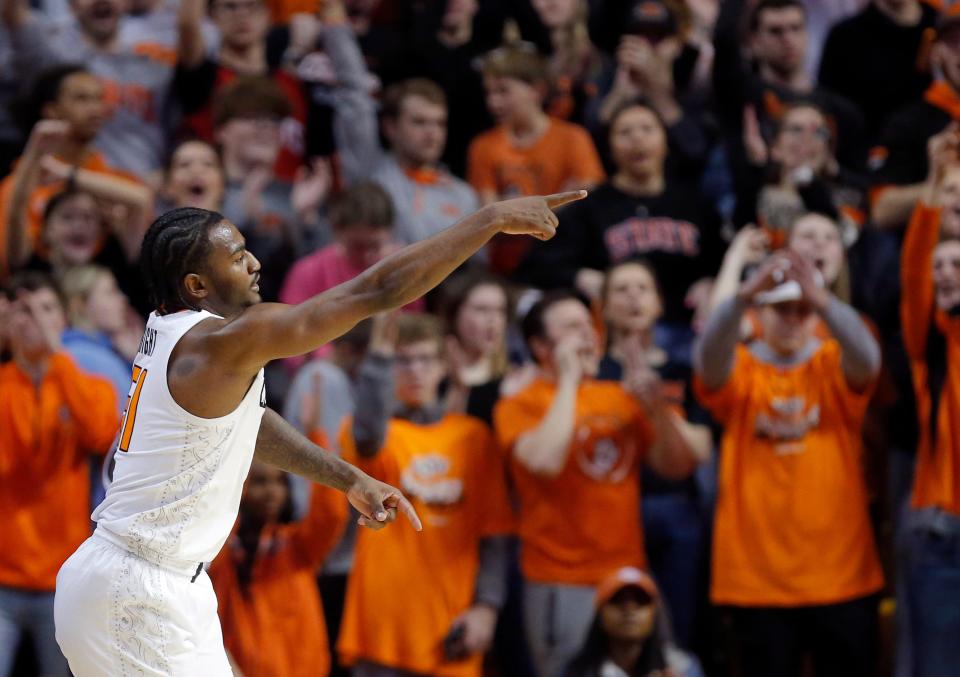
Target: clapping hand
{"x":639,"y":378}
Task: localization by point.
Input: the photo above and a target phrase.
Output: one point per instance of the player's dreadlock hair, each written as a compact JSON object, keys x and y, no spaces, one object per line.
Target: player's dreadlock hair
{"x":176,"y":244}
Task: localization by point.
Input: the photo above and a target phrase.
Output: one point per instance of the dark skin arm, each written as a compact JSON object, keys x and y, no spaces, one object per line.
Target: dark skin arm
{"x":229,"y":352}
{"x":281,"y":445}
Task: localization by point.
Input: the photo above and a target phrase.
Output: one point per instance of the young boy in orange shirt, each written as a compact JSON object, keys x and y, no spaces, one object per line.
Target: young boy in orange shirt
{"x":575,"y":446}
{"x":793,"y":548}
{"x":423,"y":603}
{"x":53,"y":417}
{"x":265,"y":578}
{"x":528,"y":152}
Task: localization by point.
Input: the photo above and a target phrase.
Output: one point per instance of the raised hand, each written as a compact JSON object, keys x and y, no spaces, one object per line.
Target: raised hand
{"x":253,"y":186}
{"x":458,"y":365}
{"x":311,"y":185}
{"x":533,"y":215}
{"x":46,"y":137}
{"x":771,"y":273}
{"x":311,"y":405}
{"x":383,"y":334}
{"x":566,"y":358}
{"x":943,"y":150}
{"x":808,"y":277}
{"x":753,"y":142}
{"x":750,"y":246}
{"x":379,"y":504}
{"x":639,"y":379}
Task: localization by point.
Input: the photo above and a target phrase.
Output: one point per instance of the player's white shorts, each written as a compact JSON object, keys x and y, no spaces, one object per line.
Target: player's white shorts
{"x":117,"y":614}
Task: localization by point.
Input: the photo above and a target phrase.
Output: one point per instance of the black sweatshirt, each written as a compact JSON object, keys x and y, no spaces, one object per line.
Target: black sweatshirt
{"x":676,"y":231}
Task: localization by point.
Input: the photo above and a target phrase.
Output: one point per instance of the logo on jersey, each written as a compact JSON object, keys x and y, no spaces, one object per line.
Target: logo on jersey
{"x":787,"y":422}
{"x":427,"y":478}
{"x":605,"y":449}
{"x":263,"y":396}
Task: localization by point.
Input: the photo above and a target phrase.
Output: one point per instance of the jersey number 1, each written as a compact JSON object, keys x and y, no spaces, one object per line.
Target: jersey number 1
{"x":130,"y":415}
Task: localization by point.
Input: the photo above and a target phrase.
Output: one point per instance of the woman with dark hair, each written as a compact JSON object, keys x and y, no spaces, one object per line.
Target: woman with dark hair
{"x":628,"y":637}
{"x":639,"y":211}
{"x":674,"y":523}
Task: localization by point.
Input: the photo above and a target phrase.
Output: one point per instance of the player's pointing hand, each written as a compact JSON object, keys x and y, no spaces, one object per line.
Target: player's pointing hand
{"x":379,"y":503}
{"x":533,"y":215}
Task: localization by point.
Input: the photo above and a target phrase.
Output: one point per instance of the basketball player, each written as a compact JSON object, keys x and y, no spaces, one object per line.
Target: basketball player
{"x":134,"y":599}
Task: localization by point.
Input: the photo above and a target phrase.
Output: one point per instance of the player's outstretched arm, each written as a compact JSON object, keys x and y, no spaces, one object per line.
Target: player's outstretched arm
{"x":281,"y":445}
{"x":270,"y":331}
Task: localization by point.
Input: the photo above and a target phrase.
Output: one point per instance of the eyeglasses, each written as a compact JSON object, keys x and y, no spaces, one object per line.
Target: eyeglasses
{"x":408,"y":361}
{"x":238,"y":6}
{"x":820,"y":132}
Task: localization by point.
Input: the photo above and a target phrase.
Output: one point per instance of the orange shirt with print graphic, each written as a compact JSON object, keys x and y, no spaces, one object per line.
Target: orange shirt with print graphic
{"x":937,"y":477}
{"x":791,"y":526}
{"x":407,"y":588}
{"x":563,"y":158}
{"x":47,"y":434}
{"x":38,"y":199}
{"x":579,"y":526}
{"x":273,"y":626}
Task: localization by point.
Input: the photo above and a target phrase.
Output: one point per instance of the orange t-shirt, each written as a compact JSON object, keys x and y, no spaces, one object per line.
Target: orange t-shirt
{"x":275,"y":627}
{"x":46,"y":435}
{"x":937,"y":477}
{"x":562,"y":158}
{"x":37,"y":202}
{"x":406,"y":588}
{"x":791,"y":526}
{"x":579,"y":526}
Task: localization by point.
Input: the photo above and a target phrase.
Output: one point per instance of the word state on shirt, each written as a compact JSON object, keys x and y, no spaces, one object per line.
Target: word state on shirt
{"x":642,"y":234}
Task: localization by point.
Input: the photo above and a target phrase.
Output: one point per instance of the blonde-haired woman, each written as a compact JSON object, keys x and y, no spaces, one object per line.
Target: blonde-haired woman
{"x":104,"y":332}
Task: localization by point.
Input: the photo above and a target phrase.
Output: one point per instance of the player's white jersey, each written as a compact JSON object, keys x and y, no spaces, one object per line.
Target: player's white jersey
{"x":178,"y":477}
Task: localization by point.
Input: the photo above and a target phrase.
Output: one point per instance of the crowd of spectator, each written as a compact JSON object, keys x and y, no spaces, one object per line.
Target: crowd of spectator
{"x":712,"y":427}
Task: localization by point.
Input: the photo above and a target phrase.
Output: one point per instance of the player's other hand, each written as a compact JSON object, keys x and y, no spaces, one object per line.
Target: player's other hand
{"x":532,"y":215}
{"x":379,"y":503}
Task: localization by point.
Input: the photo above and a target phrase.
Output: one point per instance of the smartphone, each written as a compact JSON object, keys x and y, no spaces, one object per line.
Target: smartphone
{"x":453,"y":648}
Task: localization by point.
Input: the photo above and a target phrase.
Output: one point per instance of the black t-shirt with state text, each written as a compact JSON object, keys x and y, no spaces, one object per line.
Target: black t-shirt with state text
{"x":677,"y":231}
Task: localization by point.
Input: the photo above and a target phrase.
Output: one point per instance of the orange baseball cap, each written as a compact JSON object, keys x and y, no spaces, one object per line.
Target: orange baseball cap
{"x":625,"y":577}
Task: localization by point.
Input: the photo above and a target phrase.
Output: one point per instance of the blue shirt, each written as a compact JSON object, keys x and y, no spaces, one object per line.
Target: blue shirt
{"x":94,"y":354}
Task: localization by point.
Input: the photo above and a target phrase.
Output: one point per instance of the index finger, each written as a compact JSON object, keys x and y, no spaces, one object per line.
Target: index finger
{"x":560,"y":199}
{"x":404,"y":506}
